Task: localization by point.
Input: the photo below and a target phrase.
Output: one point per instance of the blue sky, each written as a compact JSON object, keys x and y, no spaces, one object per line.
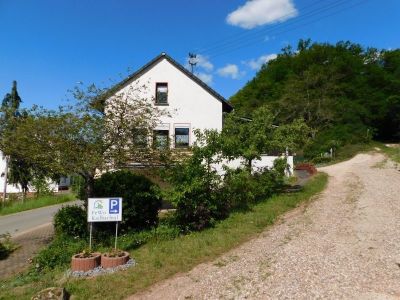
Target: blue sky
{"x":48,"y":46}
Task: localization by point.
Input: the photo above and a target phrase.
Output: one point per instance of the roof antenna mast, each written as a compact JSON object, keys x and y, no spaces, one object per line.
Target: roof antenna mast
{"x":192,"y":60}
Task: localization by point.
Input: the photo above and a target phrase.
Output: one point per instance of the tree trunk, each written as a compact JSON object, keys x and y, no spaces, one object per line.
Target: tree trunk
{"x":5,"y":181}
{"x":89,"y":186}
{"x":249,"y":165}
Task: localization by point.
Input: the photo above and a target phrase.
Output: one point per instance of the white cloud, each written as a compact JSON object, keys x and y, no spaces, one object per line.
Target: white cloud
{"x":202,"y":62}
{"x":230,"y":70}
{"x":256,"y":64}
{"x":206,"y":78}
{"x":260,"y":12}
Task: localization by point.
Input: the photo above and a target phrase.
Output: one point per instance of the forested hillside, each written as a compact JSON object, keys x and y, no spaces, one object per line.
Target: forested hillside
{"x":346,"y":93}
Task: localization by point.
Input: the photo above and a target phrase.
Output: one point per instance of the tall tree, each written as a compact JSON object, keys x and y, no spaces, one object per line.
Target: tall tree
{"x":81,"y":139}
{"x":17,"y":170}
{"x":249,"y":138}
{"x":342,"y":91}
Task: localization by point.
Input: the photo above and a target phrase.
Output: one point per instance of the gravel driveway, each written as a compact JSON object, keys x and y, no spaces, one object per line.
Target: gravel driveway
{"x":346,"y":244}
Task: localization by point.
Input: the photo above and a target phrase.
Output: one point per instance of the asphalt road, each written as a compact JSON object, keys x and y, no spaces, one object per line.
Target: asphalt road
{"x":29,"y":220}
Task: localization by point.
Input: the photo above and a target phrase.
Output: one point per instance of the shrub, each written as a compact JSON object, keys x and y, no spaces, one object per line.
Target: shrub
{"x":58,"y":253}
{"x":196,"y":194}
{"x":244,"y":189}
{"x":3,"y":251}
{"x":7,"y":246}
{"x":71,"y":221}
{"x":41,"y":186}
{"x":78,"y":186}
{"x":141,"y":198}
{"x":240,"y":188}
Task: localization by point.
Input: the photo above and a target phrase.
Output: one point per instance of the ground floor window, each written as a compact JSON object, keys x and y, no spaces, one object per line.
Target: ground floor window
{"x":160,"y":139}
{"x":181,"y":137}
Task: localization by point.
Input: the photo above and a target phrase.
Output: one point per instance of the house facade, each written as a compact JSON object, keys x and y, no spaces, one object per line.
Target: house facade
{"x":188,"y":102}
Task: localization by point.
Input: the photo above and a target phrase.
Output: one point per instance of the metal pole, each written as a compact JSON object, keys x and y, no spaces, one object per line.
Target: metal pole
{"x":116,"y":235}
{"x":90,"y":236}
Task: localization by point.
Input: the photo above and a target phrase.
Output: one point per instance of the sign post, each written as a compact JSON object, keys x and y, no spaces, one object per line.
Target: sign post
{"x":104,"y":210}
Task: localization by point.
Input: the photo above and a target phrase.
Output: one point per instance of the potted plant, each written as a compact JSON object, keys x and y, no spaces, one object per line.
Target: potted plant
{"x":114,"y":258}
{"x":85,"y":261}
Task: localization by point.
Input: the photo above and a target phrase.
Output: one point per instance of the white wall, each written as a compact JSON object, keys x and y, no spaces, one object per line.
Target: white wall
{"x":265,"y":162}
{"x":10,"y":188}
{"x":16,"y":188}
{"x":190,"y":105}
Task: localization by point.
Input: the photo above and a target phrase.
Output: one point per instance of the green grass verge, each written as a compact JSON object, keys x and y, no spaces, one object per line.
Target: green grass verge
{"x":392,"y":152}
{"x":31,"y":203}
{"x":349,"y":151}
{"x":158,"y":260}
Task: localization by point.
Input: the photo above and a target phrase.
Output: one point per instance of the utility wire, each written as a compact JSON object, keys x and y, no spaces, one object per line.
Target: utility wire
{"x":262,"y":31}
{"x":207,"y":47}
{"x":231,"y":49}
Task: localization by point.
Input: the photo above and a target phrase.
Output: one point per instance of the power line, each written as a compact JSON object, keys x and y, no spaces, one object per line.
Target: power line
{"x":262,"y":31}
{"x":244,"y":33}
{"x":252,"y":41}
{"x":300,"y":20}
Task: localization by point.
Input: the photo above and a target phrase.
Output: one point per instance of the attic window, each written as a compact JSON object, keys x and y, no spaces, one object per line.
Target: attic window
{"x":162,"y":93}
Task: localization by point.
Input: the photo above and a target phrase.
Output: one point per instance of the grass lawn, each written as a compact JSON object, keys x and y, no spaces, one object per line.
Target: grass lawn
{"x":349,"y":151}
{"x":392,"y":152}
{"x":31,"y":203}
{"x":160,"y":259}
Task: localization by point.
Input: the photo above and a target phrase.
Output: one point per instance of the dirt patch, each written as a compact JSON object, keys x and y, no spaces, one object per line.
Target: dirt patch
{"x":29,"y":244}
{"x":343,"y":245}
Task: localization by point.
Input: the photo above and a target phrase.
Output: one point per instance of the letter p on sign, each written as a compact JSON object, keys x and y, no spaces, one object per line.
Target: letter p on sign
{"x":114,"y":206}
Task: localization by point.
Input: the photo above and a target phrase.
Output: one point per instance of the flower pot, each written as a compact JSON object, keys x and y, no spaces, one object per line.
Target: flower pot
{"x":84,"y":264}
{"x":114,"y":261}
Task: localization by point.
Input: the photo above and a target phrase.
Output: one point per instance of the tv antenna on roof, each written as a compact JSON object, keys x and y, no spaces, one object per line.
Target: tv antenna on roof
{"x":192,"y":60}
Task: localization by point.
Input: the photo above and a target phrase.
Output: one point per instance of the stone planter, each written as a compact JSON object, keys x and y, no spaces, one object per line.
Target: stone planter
{"x":114,"y":261}
{"x":84,"y":264}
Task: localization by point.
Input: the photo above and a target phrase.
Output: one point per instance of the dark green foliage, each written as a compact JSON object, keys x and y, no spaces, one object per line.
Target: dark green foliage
{"x":71,"y":221}
{"x":250,"y":138}
{"x":3,"y":251}
{"x":78,"y":187}
{"x":58,"y":253}
{"x":141,"y":198}
{"x":20,"y":171}
{"x":196,"y":194}
{"x":240,"y":189}
{"x":337,"y":89}
{"x":196,"y":186}
{"x":202,"y":196}
{"x":7,"y":246}
{"x":243,"y":189}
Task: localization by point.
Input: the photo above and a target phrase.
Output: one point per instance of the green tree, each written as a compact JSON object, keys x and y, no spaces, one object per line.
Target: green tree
{"x":250,"y":138}
{"x":196,"y":186}
{"x":18,"y":170}
{"x":341,"y":91}
{"x":80,"y":139}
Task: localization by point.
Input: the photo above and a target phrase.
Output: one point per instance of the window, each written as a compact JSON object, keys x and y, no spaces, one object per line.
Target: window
{"x":140,"y":137}
{"x":160,"y":139}
{"x":181,"y":137}
{"x":161,"y":93}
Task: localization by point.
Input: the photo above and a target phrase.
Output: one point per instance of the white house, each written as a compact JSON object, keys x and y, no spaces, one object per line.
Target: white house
{"x":16,"y":188}
{"x":190,"y":102}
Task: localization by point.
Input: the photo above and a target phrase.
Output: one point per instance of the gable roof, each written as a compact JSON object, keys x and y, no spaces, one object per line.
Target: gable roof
{"x":226,"y":106}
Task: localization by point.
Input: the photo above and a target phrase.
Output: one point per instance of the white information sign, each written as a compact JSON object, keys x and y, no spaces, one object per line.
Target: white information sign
{"x":105,"y":209}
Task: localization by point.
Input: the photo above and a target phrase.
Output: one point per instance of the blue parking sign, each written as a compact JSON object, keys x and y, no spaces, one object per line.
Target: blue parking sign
{"x":114,"y":206}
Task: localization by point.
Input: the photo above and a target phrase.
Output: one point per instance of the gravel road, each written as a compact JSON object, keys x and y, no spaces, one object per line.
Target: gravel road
{"x":343,"y":245}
